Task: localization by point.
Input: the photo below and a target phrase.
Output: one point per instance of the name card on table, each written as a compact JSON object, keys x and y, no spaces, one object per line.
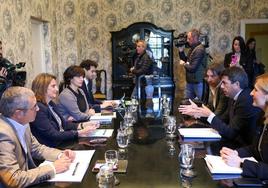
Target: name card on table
{"x":203,"y":133}
{"x":77,"y":168}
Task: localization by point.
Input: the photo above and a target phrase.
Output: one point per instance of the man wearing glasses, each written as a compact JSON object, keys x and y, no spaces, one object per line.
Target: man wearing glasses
{"x":18,"y":146}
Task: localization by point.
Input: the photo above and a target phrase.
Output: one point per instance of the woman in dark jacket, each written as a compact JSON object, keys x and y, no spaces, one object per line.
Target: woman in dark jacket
{"x":259,"y":149}
{"x":49,"y":127}
{"x":239,"y":57}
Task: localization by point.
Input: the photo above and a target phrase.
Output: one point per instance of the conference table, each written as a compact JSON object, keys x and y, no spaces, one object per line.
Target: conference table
{"x":151,"y":164}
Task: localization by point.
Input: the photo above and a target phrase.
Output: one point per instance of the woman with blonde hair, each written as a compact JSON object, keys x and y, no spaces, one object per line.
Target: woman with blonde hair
{"x":49,"y":127}
{"x":259,"y":149}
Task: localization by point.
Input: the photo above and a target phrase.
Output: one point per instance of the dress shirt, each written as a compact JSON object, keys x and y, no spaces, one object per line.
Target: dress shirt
{"x":20,"y":130}
{"x":86,"y":82}
{"x":212,"y":99}
{"x":236,"y":96}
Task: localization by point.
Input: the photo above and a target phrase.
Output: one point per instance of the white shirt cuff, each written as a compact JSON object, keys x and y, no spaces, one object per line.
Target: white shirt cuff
{"x":50,"y":164}
{"x":210,"y":117}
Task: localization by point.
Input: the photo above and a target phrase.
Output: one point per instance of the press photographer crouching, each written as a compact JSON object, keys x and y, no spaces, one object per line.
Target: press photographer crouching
{"x":9,"y":76}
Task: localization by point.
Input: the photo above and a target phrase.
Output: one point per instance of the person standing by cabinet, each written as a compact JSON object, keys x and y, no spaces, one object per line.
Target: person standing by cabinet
{"x":143,"y":64}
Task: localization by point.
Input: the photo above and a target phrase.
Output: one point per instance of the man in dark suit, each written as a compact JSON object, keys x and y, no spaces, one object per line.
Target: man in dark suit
{"x":213,"y":96}
{"x":242,"y":115}
{"x":90,"y":73}
{"x":18,"y":146}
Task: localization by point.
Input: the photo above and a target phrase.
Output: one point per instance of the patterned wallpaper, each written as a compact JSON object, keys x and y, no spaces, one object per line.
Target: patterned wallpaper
{"x":80,"y":29}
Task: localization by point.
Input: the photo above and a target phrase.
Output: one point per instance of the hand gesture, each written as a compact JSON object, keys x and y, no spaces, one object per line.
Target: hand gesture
{"x":188,"y":109}
{"x":68,"y":154}
{"x":3,"y":72}
{"x":182,"y":62}
{"x":106,"y":104}
{"x":85,"y":132}
{"x":70,"y":119}
{"x":230,"y":157}
{"x":131,"y":69}
{"x":95,"y":124}
{"x":91,"y":112}
{"x":62,"y":164}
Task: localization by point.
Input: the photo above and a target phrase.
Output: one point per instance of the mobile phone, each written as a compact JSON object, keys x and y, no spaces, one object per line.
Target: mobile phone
{"x":234,"y":59}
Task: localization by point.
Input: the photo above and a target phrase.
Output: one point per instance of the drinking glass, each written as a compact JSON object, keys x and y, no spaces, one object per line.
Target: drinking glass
{"x":111,"y":159}
{"x":171,"y":145}
{"x":186,"y":158}
{"x":105,"y":177}
{"x":128,"y":118}
{"x":170,"y":125}
{"x":122,"y":138}
{"x":165,"y":106}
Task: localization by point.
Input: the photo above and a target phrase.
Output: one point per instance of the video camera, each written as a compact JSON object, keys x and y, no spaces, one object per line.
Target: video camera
{"x":181,"y":40}
{"x":14,"y":77}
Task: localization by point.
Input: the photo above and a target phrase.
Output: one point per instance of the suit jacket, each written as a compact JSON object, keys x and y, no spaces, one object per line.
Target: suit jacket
{"x":46,"y":129}
{"x":221,"y":100}
{"x":17,"y":168}
{"x":95,"y":104}
{"x":253,"y":169}
{"x":242,"y":121}
{"x":197,"y":63}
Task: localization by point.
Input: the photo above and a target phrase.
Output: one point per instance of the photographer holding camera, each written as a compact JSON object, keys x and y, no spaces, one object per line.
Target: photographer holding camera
{"x":9,"y":75}
{"x":194,"y":64}
{"x":3,"y":72}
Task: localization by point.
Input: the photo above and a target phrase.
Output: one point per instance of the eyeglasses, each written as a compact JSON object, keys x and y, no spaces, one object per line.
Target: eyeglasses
{"x":34,"y":108}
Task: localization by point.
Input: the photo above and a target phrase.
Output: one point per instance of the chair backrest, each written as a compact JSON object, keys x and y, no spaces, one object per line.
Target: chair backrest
{"x":101,"y":85}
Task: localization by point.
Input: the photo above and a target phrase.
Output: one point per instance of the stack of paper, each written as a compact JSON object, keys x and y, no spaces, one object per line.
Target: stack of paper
{"x":217,"y":166}
{"x":99,"y":117}
{"x":77,"y":168}
{"x":101,"y":133}
{"x":199,"y":133}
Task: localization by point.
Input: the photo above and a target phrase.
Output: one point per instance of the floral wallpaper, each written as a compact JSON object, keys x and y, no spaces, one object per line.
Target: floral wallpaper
{"x":78,"y":29}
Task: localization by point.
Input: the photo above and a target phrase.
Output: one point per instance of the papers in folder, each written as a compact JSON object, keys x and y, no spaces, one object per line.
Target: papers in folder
{"x":217,"y":166}
{"x":199,"y":133}
{"x":99,"y":117}
{"x":77,"y":168}
{"x":102,"y":133}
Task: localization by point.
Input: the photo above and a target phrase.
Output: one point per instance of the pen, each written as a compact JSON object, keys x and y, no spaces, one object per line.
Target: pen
{"x":75,"y":168}
{"x":104,"y":132}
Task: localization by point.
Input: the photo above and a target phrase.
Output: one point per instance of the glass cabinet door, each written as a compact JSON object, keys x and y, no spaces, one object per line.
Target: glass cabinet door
{"x":159,"y":48}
